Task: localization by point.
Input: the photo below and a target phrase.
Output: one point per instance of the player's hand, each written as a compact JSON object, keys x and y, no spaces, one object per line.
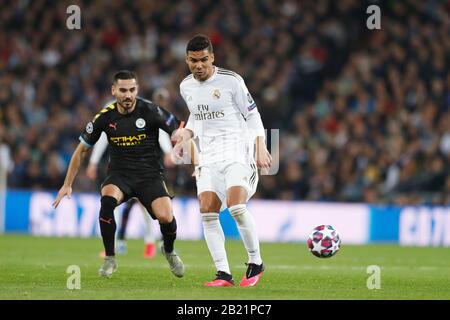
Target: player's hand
{"x":263,"y":158}
{"x":196,"y":173}
{"x":91,"y":171}
{"x":177,"y":135}
{"x":65,"y":190}
{"x":177,"y":153}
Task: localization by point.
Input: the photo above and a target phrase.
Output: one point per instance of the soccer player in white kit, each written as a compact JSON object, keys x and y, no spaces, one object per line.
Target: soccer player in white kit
{"x":225,"y":124}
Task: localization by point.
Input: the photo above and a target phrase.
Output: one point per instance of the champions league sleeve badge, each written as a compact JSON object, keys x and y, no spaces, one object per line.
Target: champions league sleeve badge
{"x":249,"y":98}
{"x":89,"y":128}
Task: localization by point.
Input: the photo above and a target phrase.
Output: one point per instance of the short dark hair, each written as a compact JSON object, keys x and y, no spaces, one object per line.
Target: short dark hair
{"x":198,"y":43}
{"x":124,"y":75}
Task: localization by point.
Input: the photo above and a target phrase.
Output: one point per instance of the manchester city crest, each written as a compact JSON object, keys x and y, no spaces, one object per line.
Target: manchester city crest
{"x":140,"y":123}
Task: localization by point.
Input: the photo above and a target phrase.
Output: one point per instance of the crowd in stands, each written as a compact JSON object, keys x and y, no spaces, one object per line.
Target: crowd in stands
{"x":363,"y":115}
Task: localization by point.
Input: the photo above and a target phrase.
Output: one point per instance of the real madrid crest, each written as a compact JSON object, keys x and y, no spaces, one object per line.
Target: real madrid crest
{"x":140,"y":123}
{"x":216,"y":94}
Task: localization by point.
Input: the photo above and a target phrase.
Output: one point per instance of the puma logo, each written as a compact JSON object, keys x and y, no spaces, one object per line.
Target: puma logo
{"x":113,"y":125}
{"x":106,"y":221}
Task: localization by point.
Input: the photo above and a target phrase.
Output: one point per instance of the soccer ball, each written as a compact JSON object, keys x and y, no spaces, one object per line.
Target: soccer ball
{"x":324,"y":241}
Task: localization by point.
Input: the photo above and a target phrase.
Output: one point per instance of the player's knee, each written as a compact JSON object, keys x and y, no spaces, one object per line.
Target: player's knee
{"x":108,"y":204}
{"x":169,"y":227}
{"x":209,"y":206}
{"x":165,"y":217}
{"x":238,"y":210}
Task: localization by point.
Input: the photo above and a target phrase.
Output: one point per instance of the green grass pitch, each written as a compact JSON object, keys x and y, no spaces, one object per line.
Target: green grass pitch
{"x":35,"y":268}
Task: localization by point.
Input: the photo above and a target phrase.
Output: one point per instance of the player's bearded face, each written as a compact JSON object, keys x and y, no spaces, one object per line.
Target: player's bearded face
{"x":200,"y":64}
{"x":125,"y":91}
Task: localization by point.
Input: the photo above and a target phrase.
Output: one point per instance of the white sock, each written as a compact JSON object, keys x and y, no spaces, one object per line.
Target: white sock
{"x":215,"y":239}
{"x":148,"y":236}
{"x":247,"y":230}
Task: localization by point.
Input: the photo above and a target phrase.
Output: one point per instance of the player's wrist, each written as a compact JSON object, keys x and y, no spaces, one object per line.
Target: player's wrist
{"x":67,"y":186}
{"x":187,"y":134}
{"x":261,"y":148}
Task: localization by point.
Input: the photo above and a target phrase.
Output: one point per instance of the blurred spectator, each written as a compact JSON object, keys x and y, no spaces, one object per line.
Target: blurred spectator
{"x":6,"y":163}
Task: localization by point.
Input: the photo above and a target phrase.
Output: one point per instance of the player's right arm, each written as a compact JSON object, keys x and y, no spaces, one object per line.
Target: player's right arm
{"x":87,"y":139}
{"x":75,"y":163}
{"x":183,"y":147}
{"x":185,"y":144}
{"x":187,"y":132}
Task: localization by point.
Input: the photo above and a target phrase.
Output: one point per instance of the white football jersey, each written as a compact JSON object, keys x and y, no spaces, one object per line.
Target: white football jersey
{"x":218,"y":108}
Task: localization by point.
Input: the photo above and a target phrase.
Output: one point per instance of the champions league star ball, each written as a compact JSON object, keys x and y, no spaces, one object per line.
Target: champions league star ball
{"x":324,"y":241}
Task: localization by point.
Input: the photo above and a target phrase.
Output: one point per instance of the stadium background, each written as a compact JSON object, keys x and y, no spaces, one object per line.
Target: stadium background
{"x":363,"y":114}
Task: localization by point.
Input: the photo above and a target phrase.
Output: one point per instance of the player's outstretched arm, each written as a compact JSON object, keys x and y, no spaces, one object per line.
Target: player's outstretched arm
{"x":75,"y":163}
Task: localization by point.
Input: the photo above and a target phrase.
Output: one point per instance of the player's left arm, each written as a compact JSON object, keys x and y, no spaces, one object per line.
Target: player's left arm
{"x":247,"y":107}
{"x":166,"y":146}
{"x":165,"y":120}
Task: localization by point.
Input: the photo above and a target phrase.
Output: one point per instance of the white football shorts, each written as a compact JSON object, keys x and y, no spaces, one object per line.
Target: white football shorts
{"x":218,"y":178}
